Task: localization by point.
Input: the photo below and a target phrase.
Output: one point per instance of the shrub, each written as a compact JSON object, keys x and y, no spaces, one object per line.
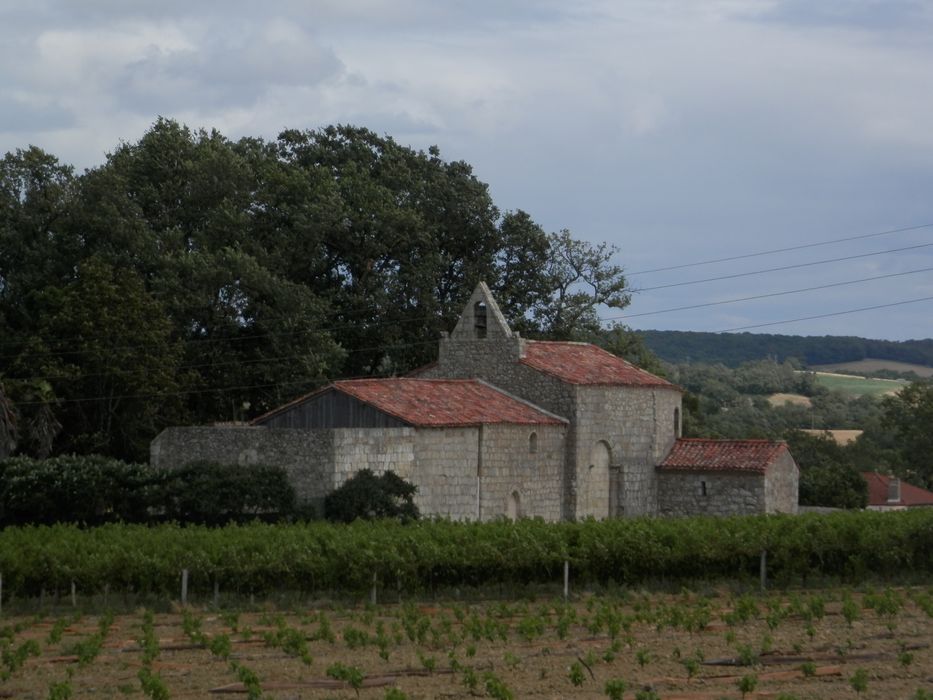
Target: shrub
{"x":215,"y":494}
{"x":367,"y":496}
{"x":93,"y":490}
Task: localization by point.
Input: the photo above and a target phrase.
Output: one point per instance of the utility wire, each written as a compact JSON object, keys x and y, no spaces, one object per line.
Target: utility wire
{"x":224,"y":339}
{"x":779,"y":250}
{"x":281,"y":358}
{"x":305,"y":331}
{"x":765,"y":296}
{"x":262,"y":360}
{"x":835,"y":313}
{"x":784,"y":267}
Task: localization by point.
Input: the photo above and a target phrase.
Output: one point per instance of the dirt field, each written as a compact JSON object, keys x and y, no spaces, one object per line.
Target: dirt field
{"x":685,"y":646}
{"x":842,"y":437}
{"x":796,"y":399}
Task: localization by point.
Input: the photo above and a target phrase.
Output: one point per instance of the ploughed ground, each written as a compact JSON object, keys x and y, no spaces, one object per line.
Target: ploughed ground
{"x":803,"y":644}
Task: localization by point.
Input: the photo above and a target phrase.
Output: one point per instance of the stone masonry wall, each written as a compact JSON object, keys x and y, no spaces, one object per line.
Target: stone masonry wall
{"x":306,"y":455}
{"x":637,"y":424}
{"x":726,"y":493}
{"x":445,"y":471}
{"x":377,"y":449}
{"x":496,"y":360}
{"x":510,"y":467}
{"x":781,"y":484}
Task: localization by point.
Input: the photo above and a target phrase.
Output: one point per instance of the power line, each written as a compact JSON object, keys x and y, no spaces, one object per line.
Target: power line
{"x":263,"y":360}
{"x":779,"y":250}
{"x":197,"y":341}
{"x":324,"y":329}
{"x":784,"y":267}
{"x":765,"y":296}
{"x":835,"y":313}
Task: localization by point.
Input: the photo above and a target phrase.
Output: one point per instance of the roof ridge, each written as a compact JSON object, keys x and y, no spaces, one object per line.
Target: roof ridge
{"x":528,"y":403}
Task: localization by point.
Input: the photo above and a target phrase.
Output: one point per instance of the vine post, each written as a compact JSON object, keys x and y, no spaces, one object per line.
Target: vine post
{"x":372,"y":593}
{"x":763,"y":569}
{"x":74,"y":596}
{"x":184,"y":586}
{"x":566,"y":579}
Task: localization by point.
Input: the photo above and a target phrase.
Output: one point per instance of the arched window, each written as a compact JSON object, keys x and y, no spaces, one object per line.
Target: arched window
{"x":532,"y":443}
{"x":479,"y":319}
{"x":514,"y":506}
{"x":676,"y":422}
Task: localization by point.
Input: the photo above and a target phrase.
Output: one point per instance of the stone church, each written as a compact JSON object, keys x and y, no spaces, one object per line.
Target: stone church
{"x":505,"y":426}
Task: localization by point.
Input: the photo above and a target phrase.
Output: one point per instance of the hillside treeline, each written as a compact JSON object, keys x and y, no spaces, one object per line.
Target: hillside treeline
{"x":193,"y":278}
{"x":732,"y":349}
{"x":724,"y":402}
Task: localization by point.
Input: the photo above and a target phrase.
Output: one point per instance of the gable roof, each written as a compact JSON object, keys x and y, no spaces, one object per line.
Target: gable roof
{"x":751,"y":456}
{"x":586,"y":364}
{"x":910,"y":495}
{"x":435,"y":403}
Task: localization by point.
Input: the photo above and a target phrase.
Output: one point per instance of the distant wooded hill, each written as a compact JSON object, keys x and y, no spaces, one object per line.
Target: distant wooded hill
{"x":732,"y":349}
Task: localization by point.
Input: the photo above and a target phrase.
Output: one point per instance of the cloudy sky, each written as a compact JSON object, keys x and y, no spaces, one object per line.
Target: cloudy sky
{"x":681,"y":131}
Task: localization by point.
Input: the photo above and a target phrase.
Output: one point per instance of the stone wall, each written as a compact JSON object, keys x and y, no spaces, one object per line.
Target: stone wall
{"x":781,"y":485}
{"x":522,"y":476}
{"x":496,"y":360}
{"x":445,"y":471}
{"x":306,"y":455}
{"x":710,"y":493}
{"x":377,"y":449}
{"x":637,"y":425}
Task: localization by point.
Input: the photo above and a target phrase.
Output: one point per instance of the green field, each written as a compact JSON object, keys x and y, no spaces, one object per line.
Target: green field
{"x":858,"y":386}
{"x":874,"y":365}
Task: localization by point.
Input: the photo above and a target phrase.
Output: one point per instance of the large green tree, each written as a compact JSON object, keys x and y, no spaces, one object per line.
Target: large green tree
{"x":106,"y":346}
{"x":909,"y":414}
{"x":195,"y":278}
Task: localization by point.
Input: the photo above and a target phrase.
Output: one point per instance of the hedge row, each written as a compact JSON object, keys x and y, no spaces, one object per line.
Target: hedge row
{"x":419,"y":555}
{"x":96,"y":490}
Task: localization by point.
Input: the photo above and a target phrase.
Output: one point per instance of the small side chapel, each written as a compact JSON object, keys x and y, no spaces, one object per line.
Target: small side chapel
{"x":503,"y":426}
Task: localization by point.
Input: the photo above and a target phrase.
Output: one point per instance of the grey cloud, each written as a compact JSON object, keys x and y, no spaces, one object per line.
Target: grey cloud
{"x":19,"y":116}
{"x":871,"y":15}
{"x":225,"y":72}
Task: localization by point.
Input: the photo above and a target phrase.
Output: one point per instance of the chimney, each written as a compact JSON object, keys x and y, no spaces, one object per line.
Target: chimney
{"x":894,"y":490}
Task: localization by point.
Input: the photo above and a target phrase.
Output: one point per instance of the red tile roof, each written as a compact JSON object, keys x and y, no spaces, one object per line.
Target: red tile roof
{"x":582,"y":363}
{"x":436,"y":402}
{"x":753,"y":456}
{"x":910,"y":495}
{"x":445,"y":402}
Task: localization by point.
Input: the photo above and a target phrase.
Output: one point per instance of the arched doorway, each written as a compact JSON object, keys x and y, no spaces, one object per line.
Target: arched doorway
{"x":593,"y":484}
{"x":514,"y":508}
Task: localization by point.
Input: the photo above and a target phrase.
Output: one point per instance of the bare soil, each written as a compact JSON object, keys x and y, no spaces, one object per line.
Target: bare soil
{"x":796,"y":399}
{"x":519,"y":642}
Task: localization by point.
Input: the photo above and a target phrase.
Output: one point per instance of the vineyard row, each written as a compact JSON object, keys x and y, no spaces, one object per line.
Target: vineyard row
{"x":422,"y":555}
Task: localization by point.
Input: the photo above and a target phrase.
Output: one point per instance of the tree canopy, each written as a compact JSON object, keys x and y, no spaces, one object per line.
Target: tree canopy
{"x":193,"y":278}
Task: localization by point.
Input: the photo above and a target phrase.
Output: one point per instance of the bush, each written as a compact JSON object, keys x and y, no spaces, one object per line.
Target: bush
{"x":91,"y":490}
{"x":367,"y":496}
{"x":215,"y":494}
{"x":95,"y":490}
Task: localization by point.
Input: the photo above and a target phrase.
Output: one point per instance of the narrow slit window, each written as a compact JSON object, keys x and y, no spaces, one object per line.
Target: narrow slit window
{"x":532,"y":443}
{"x":479,"y":319}
{"x":703,"y":489}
